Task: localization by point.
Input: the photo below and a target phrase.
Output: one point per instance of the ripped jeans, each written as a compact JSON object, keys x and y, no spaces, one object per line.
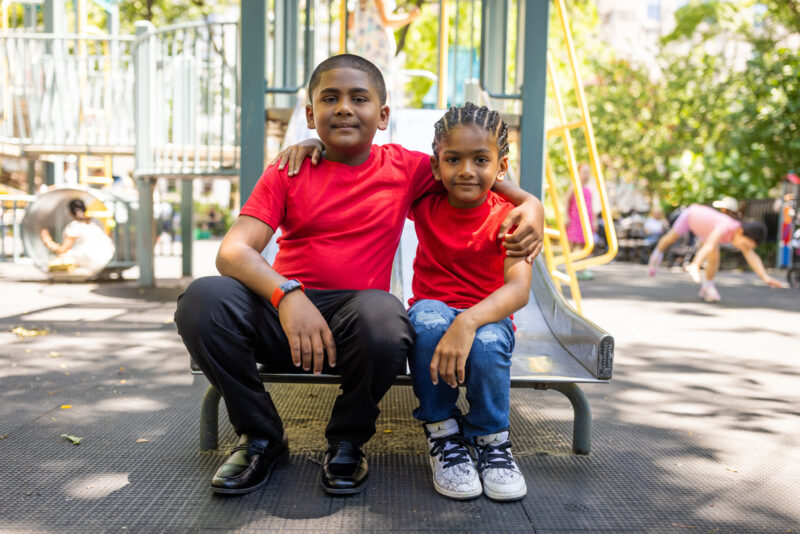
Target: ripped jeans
{"x":487,"y":377}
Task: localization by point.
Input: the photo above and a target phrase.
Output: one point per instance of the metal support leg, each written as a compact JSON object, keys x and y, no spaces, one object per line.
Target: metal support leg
{"x":582,"y":425}
{"x":187,"y":226}
{"x":209,"y":420}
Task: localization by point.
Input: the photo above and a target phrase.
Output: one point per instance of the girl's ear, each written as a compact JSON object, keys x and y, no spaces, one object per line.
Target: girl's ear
{"x":435,"y":168}
{"x":310,"y":117}
{"x":502,"y":169}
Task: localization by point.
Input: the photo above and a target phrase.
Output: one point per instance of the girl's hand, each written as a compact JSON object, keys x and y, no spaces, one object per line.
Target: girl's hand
{"x":295,"y":154}
{"x":450,"y":357}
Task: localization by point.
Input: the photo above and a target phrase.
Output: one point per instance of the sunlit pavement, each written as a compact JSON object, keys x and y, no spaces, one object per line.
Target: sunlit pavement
{"x":698,"y":431}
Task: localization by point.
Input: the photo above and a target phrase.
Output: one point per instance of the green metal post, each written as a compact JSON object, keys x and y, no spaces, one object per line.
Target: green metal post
{"x":582,"y":423}
{"x":534,"y":92}
{"x":253,"y":75}
{"x":187,"y":211}
{"x":144,"y":114}
{"x":31,"y":177}
{"x":493,"y":44}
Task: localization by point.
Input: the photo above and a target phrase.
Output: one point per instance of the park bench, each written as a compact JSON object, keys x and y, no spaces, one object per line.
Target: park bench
{"x":556,"y":348}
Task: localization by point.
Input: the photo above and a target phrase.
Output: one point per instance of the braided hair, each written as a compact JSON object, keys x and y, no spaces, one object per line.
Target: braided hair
{"x":472,"y":114}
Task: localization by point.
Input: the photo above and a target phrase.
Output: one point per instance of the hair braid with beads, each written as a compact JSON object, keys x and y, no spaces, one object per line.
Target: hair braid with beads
{"x":482,"y":117}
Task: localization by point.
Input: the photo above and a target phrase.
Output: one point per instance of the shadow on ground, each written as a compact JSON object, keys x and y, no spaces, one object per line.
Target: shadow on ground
{"x":688,"y":436}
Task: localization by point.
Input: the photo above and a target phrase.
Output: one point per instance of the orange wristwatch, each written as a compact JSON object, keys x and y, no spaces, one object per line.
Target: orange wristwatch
{"x":286,"y":287}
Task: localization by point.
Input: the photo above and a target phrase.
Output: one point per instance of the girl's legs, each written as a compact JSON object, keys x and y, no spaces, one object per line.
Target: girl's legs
{"x":488,"y":380}
{"x":452,"y":467}
{"x":431,"y":319}
{"x":488,"y":387}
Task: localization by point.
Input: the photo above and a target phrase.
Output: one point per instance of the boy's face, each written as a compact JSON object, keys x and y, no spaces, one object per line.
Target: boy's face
{"x":468,"y":165}
{"x":346,"y":111}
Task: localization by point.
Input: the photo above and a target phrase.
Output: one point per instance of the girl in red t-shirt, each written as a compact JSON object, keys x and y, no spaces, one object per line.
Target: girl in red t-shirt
{"x":465,"y":289}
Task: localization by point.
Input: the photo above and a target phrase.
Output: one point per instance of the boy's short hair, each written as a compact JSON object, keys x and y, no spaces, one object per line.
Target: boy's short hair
{"x":75,"y":205}
{"x":349,"y":61}
{"x":757,"y":231}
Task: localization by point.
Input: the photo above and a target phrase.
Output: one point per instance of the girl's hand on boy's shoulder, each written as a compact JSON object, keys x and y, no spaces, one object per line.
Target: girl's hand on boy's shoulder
{"x":292,"y":156}
{"x":450,"y":357}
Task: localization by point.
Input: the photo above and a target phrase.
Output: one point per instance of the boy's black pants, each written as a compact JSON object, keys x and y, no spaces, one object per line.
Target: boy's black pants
{"x":228,"y":329}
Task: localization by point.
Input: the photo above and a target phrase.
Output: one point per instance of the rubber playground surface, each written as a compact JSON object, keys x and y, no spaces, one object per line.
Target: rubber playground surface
{"x":698,"y":431}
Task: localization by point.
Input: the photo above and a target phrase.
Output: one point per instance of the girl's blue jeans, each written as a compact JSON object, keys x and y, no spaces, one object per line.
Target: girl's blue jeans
{"x":487,"y":377}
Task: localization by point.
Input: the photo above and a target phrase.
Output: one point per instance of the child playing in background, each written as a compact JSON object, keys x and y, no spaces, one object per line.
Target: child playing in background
{"x":714,"y":229}
{"x":465,"y":288}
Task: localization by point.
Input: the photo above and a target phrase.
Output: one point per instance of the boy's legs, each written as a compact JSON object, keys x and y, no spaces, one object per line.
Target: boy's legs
{"x":224,"y":325}
{"x":452,"y":467}
{"x":373,"y":337}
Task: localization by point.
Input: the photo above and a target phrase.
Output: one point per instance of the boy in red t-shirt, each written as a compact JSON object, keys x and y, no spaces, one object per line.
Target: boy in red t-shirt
{"x":465,"y":288}
{"x":327,"y":291}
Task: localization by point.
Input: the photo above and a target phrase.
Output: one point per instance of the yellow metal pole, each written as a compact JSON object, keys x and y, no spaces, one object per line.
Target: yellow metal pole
{"x":443,"y":44}
{"x":343,"y":26}
{"x":594,"y":158}
{"x":573,"y":280}
{"x":577,"y":186}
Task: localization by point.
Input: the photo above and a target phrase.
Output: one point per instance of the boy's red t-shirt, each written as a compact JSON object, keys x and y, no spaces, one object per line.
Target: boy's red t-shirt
{"x":459,"y":257}
{"x":341,"y":224}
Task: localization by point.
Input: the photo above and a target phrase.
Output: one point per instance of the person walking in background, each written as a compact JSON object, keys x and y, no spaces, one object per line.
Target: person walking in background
{"x":574,"y":228}
{"x":714,"y":228}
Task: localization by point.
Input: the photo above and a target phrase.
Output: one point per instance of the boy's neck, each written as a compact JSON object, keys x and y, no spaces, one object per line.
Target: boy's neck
{"x":347,"y":158}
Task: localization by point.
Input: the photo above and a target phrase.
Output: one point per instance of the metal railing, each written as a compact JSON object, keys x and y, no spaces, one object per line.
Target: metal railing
{"x":12,"y":211}
{"x":187,"y":119}
{"x":65,"y":93}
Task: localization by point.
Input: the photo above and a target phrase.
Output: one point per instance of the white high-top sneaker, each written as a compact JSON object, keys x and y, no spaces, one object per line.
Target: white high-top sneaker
{"x":452,"y":466}
{"x":502,"y":479}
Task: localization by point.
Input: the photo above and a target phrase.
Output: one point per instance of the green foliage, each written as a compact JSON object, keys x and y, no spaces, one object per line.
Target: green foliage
{"x":165,"y":12}
{"x":705,"y":127}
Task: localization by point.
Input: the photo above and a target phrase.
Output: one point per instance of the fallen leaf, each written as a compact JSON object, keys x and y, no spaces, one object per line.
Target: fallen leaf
{"x":682,"y":526}
{"x":89,"y":486}
{"x":33,"y":332}
{"x":387,"y":431}
{"x":4,"y":436}
{"x":122,"y":381}
{"x":73,"y":439}
{"x":66,"y":406}
{"x":142,"y":440}
{"x":53,"y":354}
{"x":62,"y":366}
{"x":731,"y":469}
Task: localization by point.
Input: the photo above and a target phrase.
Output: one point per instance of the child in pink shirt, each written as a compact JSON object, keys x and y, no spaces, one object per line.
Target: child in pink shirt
{"x":713,"y":228}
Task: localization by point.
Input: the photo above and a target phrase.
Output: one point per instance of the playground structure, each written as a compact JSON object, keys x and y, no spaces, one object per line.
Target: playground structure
{"x":199,"y":110}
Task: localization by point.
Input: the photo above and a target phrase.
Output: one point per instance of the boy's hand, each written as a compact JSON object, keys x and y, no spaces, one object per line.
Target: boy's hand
{"x":308,"y":333}
{"x":528,"y":237}
{"x":450,"y":357}
{"x":295,"y":154}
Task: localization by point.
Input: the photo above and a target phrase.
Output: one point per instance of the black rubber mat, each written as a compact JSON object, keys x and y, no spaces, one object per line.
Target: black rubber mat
{"x":686,"y":438}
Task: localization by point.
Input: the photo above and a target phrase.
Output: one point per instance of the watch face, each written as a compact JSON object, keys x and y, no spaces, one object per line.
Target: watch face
{"x":290,"y":285}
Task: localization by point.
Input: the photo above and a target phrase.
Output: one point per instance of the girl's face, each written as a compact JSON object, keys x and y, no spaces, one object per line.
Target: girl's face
{"x":468,"y":165}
